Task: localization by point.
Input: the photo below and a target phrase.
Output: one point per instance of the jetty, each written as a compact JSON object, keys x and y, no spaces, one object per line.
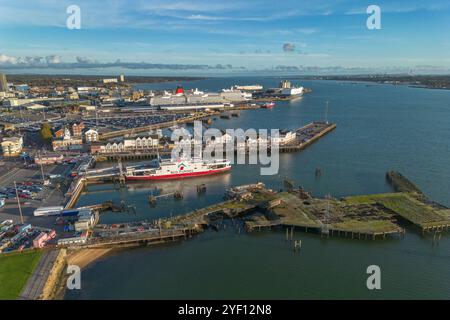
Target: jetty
{"x":256,"y":207}
{"x":138,"y":238}
{"x":305,"y":136}
{"x":362,"y":217}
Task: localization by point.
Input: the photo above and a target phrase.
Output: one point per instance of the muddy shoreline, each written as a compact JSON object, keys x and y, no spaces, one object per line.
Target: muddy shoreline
{"x":55,"y":286}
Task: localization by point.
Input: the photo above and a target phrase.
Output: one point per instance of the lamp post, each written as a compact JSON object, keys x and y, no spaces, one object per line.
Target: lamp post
{"x":18,"y":203}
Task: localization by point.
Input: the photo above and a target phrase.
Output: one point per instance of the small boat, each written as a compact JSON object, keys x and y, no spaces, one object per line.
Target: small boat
{"x":268,"y":105}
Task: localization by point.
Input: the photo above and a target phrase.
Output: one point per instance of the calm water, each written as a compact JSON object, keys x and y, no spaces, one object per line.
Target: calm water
{"x":380,"y":127}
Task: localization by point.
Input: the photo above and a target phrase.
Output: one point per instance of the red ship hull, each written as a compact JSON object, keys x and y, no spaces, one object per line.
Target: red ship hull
{"x":268,"y":105}
{"x":178,"y":175}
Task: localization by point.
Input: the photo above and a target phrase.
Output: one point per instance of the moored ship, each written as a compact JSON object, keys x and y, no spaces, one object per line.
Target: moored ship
{"x":268,"y":105}
{"x":182,"y":168}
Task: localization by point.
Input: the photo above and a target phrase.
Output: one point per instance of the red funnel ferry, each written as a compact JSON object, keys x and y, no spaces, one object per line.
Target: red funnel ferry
{"x":167,"y":169}
{"x":268,"y":105}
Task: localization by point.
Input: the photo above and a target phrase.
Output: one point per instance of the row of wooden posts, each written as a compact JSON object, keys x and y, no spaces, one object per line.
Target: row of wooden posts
{"x":290,"y":237}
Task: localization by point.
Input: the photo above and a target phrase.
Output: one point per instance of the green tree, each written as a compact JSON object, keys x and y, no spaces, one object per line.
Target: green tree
{"x":46,"y":132}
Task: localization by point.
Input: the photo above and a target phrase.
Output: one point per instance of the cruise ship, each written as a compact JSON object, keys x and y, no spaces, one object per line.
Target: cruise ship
{"x":182,"y":168}
{"x":196,"y":99}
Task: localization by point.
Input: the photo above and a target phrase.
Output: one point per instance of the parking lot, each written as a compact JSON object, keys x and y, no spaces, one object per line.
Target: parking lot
{"x":34,"y":193}
{"x":19,"y":237}
{"x":27,"y":117}
{"x":133,"y":121}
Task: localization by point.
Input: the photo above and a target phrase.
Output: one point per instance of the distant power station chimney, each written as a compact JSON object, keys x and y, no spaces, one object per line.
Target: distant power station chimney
{"x":3,"y":83}
{"x":122,"y":78}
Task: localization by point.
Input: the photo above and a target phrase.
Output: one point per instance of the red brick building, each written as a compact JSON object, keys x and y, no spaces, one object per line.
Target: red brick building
{"x":77,"y":129}
{"x":59,"y":133}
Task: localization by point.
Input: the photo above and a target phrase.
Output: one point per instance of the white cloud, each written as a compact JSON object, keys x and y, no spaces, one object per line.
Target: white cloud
{"x":307,"y":30}
{"x":4,"y":59}
{"x":53,"y":59}
{"x":198,"y":6}
{"x":401,"y":7}
{"x":204,"y":17}
{"x":151,"y":13}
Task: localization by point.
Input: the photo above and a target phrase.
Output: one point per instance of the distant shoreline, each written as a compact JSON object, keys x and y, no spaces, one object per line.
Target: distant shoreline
{"x":419,"y":81}
{"x":90,"y":80}
{"x":441,"y":82}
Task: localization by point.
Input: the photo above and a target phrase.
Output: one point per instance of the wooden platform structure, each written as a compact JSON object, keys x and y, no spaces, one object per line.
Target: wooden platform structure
{"x":361,"y":217}
{"x":139,"y":239}
{"x":358,"y":217}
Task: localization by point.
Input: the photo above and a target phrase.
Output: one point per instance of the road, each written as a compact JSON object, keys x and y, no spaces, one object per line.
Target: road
{"x":6,"y":178}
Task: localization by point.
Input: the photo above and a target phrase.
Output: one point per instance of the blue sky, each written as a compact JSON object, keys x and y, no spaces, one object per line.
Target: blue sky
{"x":248,"y":35}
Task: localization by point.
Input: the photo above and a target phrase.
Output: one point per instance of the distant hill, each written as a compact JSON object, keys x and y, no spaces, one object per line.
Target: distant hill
{"x":85,"y":80}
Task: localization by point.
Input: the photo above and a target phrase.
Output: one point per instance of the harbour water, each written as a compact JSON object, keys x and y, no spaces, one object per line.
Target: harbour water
{"x":379,"y":128}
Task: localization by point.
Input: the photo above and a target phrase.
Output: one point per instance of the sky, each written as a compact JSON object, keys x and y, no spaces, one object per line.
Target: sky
{"x":233,"y":36}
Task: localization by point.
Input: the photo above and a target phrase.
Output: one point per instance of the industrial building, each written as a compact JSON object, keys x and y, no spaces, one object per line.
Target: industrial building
{"x":86,"y":219}
{"x":51,"y":158}
{"x":111,"y":80}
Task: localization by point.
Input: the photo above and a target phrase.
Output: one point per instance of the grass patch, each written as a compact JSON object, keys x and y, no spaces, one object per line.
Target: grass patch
{"x":295,"y":217}
{"x":235,"y":205}
{"x":444,"y":213}
{"x":294,"y":212}
{"x":404,"y":205}
{"x":371,"y":226}
{"x":15,"y":269}
{"x":372,"y":198}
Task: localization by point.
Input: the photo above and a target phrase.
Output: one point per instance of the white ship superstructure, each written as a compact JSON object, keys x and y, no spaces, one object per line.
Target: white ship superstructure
{"x":198,"y":99}
{"x":179,"y":169}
